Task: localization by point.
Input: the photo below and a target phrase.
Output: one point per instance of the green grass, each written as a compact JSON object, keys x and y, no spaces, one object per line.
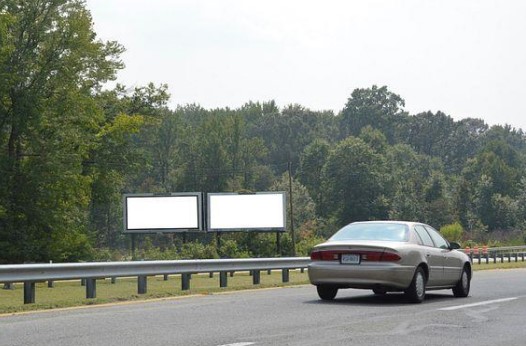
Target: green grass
{"x":70,"y":293}
{"x":505,"y":265}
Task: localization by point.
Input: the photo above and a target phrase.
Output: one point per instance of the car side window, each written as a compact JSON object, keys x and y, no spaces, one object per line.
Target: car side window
{"x":417,"y":238}
{"x":437,"y":238}
{"x":424,"y":236}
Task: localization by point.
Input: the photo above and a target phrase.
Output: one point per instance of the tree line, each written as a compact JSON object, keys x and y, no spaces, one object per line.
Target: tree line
{"x":71,"y":147}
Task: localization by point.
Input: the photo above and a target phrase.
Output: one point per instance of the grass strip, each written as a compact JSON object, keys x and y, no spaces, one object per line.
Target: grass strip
{"x":70,"y":293}
{"x":505,"y":265}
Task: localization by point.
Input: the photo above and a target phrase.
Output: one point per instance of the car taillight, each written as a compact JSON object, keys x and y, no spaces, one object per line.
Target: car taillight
{"x":390,"y":257}
{"x":325,"y":255}
{"x":379,"y":256}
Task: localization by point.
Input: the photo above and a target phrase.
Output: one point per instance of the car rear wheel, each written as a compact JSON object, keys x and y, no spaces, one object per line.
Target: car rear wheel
{"x":461,"y":290}
{"x":416,"y":291}
{"x":327,"y":292}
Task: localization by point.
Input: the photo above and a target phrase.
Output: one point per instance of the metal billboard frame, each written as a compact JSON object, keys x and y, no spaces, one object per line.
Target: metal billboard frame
{"x":249,"y":229}
{"x":199,"y":207}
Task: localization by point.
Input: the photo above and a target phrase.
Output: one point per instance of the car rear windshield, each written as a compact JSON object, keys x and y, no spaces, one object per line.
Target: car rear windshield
{"x":373,"y":231}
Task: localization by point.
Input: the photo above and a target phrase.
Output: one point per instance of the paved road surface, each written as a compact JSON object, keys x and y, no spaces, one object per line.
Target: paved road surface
{"x":494,"y":314}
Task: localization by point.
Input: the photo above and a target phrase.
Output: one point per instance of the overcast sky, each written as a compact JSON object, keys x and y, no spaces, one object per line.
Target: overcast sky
{"x":466,"y":58}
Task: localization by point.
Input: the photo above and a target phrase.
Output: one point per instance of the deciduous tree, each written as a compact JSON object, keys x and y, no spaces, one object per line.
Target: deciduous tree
{"x":51,"y":64}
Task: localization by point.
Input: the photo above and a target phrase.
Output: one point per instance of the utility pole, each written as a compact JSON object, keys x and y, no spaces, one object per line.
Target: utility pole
{"x":292,"y":233}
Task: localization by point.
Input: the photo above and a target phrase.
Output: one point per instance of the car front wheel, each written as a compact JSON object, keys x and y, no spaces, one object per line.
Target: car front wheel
{"x":461,"y":290}
{"x":327,"y":292}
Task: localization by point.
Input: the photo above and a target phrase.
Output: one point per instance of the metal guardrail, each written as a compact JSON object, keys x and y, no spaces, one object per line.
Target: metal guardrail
{"x":496,"y":254}
{"x":29,"y":274}
{"x":508,"y":248}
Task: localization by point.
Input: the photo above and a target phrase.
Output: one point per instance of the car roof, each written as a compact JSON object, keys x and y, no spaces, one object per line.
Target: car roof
{"x":390,"y":221}
{"x":407,"y":223}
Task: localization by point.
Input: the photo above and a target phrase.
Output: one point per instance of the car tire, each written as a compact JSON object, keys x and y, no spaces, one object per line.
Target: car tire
{"x":327,"y":292}
{"x":461,"y":290}
{"x":416,"y":291}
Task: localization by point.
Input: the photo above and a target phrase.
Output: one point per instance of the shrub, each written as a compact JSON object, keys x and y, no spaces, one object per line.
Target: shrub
{"x":452,"y":231}
{"x":304,"y":246}
{"x":230,"y":249}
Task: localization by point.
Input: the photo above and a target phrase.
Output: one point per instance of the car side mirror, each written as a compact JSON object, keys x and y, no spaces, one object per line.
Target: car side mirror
{"x":454,"y":246}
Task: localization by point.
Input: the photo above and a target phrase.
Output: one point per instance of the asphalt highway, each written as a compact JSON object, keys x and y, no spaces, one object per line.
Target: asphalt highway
{"x":493,"y":314}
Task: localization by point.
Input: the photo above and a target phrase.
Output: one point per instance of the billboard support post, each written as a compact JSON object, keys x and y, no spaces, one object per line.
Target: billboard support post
{"x":218,"y":243}
{"x":133,"y":246}
{"x":278,"y":243}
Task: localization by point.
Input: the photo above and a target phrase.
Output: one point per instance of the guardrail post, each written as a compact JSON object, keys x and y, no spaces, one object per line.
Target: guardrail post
{"x":285,"y":275}
{"x":269,"y":272}
{"x":185,"y":282}
{"x":256,"y":277}
{"x":50,"y":284}
{"x":83,"y":282}
{"x":29,"y":292}
{"x":509,"y":257}
{"x":302,"y":270}
{"x":494,"y":257}
{"x":516,"y":257}
{"x":501,"y":258}
{"x":91,"y":288}
{"x":165,"y":277}
{"x":8,"y":286}
{"x":211,"y":275}
{"x":142,"y":284}
{"x":113,"y":280}
{"x":223,"y":281}
{"x":232,"y":274}
{"x":478,"y":258}
{"x":522,"y":255}
{"x":487,"y":258}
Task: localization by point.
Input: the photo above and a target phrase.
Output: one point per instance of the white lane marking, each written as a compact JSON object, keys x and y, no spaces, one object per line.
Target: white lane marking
{"x":240,"y":344}
{"x":478,"y":304}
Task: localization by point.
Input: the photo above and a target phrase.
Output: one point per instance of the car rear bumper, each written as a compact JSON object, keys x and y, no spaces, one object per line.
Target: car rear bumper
{"x":393,"y":276}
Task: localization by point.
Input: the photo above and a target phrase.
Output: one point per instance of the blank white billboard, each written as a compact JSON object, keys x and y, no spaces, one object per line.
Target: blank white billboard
{"x":149,"y":213}
{"x":261,"y":211}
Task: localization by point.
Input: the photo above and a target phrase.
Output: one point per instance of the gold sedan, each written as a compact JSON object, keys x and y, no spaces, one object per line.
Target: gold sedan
{"x":389,"y":256}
